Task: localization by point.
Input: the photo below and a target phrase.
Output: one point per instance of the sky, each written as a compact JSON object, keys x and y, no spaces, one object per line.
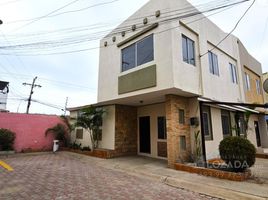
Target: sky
{"x":75,"y":75}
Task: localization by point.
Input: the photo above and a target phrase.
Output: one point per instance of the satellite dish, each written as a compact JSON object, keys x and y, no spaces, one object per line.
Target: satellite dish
{"x":265,"y":85}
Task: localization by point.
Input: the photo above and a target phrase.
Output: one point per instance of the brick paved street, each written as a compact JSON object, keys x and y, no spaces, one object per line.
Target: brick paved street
{"x":62,"y":176}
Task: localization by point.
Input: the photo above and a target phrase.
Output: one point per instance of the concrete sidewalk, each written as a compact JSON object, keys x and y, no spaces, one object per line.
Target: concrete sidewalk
{"x":157,"y":169}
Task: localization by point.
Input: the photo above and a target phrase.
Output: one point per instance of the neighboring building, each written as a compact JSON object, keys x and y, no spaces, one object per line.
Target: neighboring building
{"x":159,"y":78}
{"x":265,"y":77}
{"x":3,"y":95}
{"x":30,"y":130}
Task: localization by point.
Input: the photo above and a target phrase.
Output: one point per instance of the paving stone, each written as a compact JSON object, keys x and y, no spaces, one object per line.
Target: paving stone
{"x":61,"y":177}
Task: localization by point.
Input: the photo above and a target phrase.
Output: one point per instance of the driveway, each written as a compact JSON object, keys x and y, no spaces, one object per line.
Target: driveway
{"x":65,"y":176}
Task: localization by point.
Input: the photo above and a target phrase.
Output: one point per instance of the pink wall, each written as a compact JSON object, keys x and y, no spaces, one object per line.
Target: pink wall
{"x":30,"y":130}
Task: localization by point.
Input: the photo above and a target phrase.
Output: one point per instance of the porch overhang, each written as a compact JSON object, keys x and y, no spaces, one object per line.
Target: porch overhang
{"x":236,"y":106}
{"x":233,"y":106}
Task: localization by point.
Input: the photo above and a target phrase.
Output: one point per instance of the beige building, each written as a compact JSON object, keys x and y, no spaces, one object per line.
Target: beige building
{"x":162,"y":79}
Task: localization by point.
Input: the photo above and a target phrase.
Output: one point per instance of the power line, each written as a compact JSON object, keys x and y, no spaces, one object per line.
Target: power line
{"x":54,"y":11}
{"x":66,"y":12}
{"x":161,"y":22}
{"x":9,"y":2}
{"x":231,"y":30}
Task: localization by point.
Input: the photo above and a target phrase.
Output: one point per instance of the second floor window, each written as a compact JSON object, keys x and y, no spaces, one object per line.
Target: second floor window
{"x":233,"y":73}
{"x":247,"y":80}
{"x":188,"y":50}
{"x":213,"y":63}
{"x":258,"y":87}
{"x":138,"y":53}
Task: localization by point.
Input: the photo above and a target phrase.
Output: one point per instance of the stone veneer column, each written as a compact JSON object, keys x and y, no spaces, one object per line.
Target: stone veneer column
{"x":125,"y":130}
{"x":175,"y":129}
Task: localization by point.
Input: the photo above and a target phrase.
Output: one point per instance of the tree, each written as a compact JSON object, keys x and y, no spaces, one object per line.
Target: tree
{"x":59,"y":131}
{"x":90,"y":119}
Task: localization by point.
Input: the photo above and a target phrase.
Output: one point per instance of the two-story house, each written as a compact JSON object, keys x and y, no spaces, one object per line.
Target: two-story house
{"x":163,"y":78}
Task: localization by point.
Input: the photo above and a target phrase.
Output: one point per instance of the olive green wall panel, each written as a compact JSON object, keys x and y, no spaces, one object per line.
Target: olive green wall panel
{"x":141,"y":79}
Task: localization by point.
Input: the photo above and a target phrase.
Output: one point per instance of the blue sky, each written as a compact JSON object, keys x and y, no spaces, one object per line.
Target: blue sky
{"x":75,"y":75}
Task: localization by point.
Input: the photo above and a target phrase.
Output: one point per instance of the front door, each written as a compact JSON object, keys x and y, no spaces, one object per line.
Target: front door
{"x":145,"y":136}
{"x":257,"y":131}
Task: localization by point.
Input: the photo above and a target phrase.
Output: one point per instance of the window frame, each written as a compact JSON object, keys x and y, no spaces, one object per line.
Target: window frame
{"x":213,"y":62}
{"x":136,"y":53}
{"x":226,"y":113}
{"x":247,"y":80}
{"x":258,"y":86}
{"x":183,"y":143}
{"x":188,"y":60}
{"x":82,"y":132}
{"x":181,"y":113}
{"x":207,"y":110}
{"x":165,"y":128}
{"x":233,"y":71}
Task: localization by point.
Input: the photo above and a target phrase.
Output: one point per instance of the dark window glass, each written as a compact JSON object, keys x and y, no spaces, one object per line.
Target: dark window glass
{"x":191,"y":53}
{"x":129,"y":57}
{"x":233,"y":73}
{"x":184,"y":49}
{"x":183,"y":143}
{"x":161,"y":124}
{"x":205,"y":123}
{"x":181,"y":116}
{"x":226,"y":125}
{"x":145,"y":50}
{"x":210,"y":62}
{"x":138,"y":53}
{"x":188,"y":50}
{"x":213,"y":63}
{"x":207,"y":128}
{"x":79,"y":133}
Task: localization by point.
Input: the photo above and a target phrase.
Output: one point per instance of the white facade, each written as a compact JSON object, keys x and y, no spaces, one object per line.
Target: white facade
{"x":173,"y":74}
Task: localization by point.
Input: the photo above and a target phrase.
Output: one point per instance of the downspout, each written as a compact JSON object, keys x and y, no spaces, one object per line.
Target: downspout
{"x":202,"y":134}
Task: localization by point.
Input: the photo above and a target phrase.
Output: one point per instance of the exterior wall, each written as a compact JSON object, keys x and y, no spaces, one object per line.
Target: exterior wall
{"x":110,"y":58}
{"x":108,"y":130}
{"x":125,"y":130}
{"x":212,"y":146}
{"x":30,"y":130}
{"x":175,"y":130}
{"x":251,"y":95}
{"x":86,"y":141}
{"x":263,"y":131}
{"x":173,"y":73}
{"x":206,"y":35}
{"x":154,"y":111}
{"x":251,"y":129}
{"x":254,"y":69}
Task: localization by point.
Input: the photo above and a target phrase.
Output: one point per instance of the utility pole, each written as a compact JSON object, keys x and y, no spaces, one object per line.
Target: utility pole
{"x":33,"y":85}
{"x":65,"y":108}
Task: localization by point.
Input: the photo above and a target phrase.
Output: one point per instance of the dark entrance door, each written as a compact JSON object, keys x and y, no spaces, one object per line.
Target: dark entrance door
{"x":145,"y":140}
{"x":257,"y":131}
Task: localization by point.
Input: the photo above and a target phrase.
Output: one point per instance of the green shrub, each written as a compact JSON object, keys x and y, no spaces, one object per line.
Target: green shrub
{"x":7,"y":139}
{"x":238,"y":153}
